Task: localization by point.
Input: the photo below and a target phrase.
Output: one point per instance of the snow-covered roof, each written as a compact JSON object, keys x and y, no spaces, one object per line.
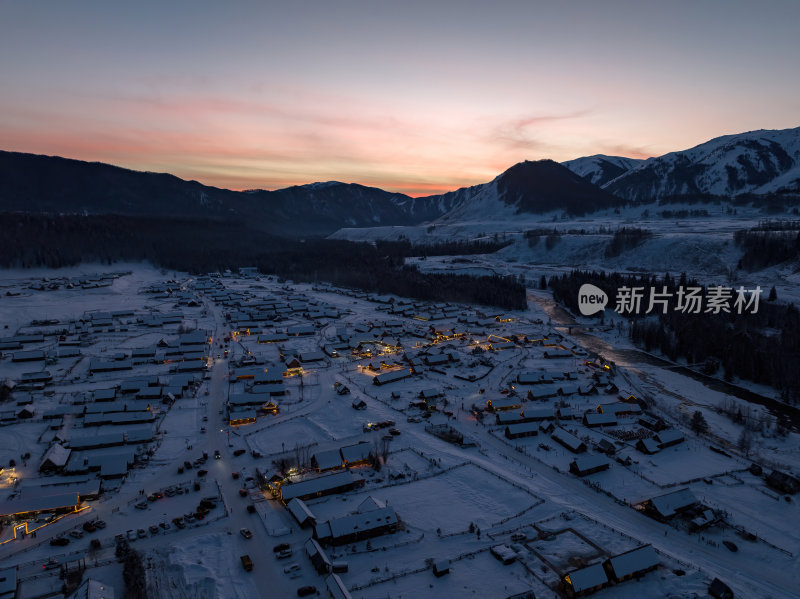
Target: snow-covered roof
{"x":589,"y":462}
{"x":358,"y":523}
{"x":650,"y":445}
{"x":330,"y":458}
{"x":636,"y":560}
{"x":544,"y":390}
{"x":669,"y":436}
{"x":57,"y":455}
{"x":388,"y":377}
{"x":336,"y":588}
{"x":593,"y":419}
{"x":300,"y":510}
{"x":568,"y":440}
{"x":312,"y":486}
{"x":523,"y":427}
{"x":587,"y":578}
{"x":356,"y":453}
{"x":38,"y":503}
{"x":667,"y":505}
{"x":370,"y":504}
{"x":620,"y":408}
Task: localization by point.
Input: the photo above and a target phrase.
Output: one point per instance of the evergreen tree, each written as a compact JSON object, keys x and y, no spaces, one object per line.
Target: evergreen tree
{"x":773,"y":294}
{"x":698,"y":423}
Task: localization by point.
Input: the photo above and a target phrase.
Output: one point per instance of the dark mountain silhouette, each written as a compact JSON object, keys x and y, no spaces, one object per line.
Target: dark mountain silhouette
{"x":544,"y":185}
{"x":47,"y":184}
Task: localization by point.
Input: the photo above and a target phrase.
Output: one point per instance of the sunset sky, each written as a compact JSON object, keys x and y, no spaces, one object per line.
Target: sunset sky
{"x":418,"y":97}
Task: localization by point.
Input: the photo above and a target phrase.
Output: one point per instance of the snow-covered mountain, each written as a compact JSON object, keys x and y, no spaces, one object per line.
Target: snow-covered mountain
{"x":533,"y":187}
{"x":759,"y":162}
{"x":600,"y":169}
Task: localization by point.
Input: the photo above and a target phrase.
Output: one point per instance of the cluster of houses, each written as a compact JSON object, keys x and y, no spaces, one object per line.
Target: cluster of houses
{"x":92,"y":438}
{"x":71,"y":283}
{"x":615,"y":570}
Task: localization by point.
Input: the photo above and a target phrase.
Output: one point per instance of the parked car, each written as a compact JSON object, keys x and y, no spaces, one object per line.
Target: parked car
{"x":283,"y":554}
{"x":100,"y":523}
{"x":235,"y":475}
{"x":141,"y":533}
{"x":731,"y":546}
{"x":247,"y":563}
{"x":76,"y":534}
{"x":89,"y":527}
{"x":153,"y":529}
{"x":59,"y":541}
{"x":164,"y":525}
{"x":142,"y":505}
{"x":131,"y":535}
{"x":51,"y":563}
{"x":246,"y":533}
{"x":243,"y":492}
{"x":239,"y":452}
{"x":251,"y":509}
{"x":202,"y":472}
{"x":292,"y":569}
{"x":281,"y":547}
{"x":306,"y":590}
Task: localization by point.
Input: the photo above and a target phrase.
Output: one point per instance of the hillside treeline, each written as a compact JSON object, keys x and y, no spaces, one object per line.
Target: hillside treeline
{"x":404,"y":248}
{"x":763,"y":347}
{"x":625,"y":239}
{"x":769,"y":243}
{"x":201,"y":246}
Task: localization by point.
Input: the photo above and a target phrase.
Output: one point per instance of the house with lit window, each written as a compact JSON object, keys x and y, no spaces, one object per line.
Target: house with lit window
{"x":584,"y":581}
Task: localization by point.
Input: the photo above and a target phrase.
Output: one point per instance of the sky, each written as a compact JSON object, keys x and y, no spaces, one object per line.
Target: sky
{"x":415,"y":97}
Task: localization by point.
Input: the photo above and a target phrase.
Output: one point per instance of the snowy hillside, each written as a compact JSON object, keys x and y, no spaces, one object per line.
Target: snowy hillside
{"x":757,"y":162}
{"x":532,"y":187}
{"x":600,"y":169}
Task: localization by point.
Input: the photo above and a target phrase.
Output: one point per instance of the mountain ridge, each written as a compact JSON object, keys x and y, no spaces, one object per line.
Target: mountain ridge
{"x":759,"y":162}
{"x":750,"y":165}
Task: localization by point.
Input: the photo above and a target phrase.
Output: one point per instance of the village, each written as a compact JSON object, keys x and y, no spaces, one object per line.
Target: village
{"x":233,"y":435}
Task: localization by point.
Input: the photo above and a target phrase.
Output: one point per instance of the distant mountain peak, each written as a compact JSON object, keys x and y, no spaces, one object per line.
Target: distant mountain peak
{"x":322,"y":184}
{"x":600,"y":169}
{"x":760,"y":162}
